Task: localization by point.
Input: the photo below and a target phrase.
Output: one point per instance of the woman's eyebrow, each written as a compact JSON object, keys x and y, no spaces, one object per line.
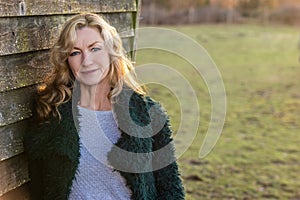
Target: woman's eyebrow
{"x":90,"y":45}
{"x":95,"y":43}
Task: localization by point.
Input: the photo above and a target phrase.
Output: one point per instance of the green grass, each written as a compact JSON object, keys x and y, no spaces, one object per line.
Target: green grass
{"x":258,"y":153}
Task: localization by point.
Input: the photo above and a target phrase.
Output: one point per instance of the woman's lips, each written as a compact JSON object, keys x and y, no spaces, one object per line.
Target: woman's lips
{"x":89,"y":71}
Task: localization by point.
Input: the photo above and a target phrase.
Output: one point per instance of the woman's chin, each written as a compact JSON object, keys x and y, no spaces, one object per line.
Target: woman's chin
{"x":91,"y":81}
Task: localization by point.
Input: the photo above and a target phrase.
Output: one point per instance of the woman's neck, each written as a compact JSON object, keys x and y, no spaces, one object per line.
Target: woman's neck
{"x":95,"y":97}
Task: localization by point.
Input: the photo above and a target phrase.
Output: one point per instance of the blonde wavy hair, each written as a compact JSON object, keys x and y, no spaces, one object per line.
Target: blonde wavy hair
{"x":57,"y":87}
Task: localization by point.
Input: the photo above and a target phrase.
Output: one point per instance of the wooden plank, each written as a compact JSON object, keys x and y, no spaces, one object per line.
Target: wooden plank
{"x":50,"y":7}
{"x":14,"y":173}
{"x":19,"y":35}
{"x":11,"y":139}
{"x":128,"y":45}
{"x":25,"y":69}
{"x":16,"y":105}
{"x":20,"y":70}
{"x":136,"y":20}
{"x":20,"y":193}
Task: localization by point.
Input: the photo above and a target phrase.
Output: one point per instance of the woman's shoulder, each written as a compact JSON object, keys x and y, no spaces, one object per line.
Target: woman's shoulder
{"x":42,"y":138}
{"x":146,"y":99}
{"x":154,"y":109}
{"x":37,"y":137}
{"x":146,"y":103}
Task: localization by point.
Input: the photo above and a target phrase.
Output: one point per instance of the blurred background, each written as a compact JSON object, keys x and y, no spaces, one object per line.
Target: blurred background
{"x":254,"y":44}
{"x":220,"y":11}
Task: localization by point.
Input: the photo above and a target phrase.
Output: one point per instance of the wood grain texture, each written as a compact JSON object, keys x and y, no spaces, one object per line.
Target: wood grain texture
{"x":50,"y":7}
{"x":20,"y":70}
{"x":19,"y":35}
{"x":136,"y":20}
{"x":16,"y":105}
{"x":14,"y":173}
{"x":11,"y":139}
{"x":20,"y":193}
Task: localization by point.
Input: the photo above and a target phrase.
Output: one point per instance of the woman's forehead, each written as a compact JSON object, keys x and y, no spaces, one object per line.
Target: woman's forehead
{"x":87,"y":35}
{"x":88,"y":31}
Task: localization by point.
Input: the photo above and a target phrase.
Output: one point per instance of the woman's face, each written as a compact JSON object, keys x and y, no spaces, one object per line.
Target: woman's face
{"x":89,"y":59}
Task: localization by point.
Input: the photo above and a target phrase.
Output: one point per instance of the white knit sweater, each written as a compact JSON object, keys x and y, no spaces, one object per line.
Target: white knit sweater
{"x":95,"y":179}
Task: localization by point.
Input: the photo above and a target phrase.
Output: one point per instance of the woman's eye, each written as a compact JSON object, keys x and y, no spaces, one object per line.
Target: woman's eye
{"x":96,"y":49}
{"x":74,"y":53}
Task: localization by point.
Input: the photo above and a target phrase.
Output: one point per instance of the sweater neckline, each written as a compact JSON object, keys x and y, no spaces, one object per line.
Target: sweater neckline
{"x":95,"y":111}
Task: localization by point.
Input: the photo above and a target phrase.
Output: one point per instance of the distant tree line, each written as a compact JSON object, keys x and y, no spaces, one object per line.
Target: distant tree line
{"x":213,"y":11}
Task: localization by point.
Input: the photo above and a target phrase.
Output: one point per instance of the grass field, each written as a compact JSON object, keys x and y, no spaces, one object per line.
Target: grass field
{"x":258,"y":153}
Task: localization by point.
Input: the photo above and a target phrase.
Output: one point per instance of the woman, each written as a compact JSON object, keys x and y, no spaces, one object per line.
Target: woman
{"x":118,"y":144}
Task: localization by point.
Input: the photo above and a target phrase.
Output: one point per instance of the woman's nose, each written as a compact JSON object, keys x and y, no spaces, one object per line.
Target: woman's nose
{"x":87,"y":59}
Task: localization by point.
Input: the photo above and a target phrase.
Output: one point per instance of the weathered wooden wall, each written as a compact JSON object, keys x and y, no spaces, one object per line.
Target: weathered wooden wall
{"x":28,"y":29}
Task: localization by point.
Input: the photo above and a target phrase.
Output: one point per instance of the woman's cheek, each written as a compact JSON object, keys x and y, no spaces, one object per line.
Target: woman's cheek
{"x":73,"y":67}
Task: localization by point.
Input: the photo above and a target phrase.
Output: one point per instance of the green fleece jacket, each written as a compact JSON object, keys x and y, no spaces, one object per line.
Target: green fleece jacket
{"x":53,"y":150}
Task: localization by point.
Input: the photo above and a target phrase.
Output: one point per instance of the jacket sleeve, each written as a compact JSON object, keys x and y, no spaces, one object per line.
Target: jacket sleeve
{"x":48,"y":178}
{"x":58,"y":172}
{"x":51,"y":168}
{"x":167,"y":178}
{"x":35,"y":142}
